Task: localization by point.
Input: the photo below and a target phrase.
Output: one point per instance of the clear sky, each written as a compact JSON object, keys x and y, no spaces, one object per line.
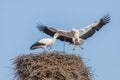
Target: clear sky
{"x":19,"y":18}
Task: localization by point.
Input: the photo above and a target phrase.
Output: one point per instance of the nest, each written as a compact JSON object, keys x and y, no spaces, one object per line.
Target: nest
{"x":51,"y":66}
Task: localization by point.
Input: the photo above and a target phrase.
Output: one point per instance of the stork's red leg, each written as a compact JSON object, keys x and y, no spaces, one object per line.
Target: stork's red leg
{"x":74,"y":47}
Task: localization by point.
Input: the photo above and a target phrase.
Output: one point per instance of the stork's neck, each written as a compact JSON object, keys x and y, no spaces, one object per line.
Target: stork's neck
{"x":54,"y":38}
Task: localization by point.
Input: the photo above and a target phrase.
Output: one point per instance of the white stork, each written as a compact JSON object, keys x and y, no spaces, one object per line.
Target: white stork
{"x":75,"y":36}
{"x":46,"y":42}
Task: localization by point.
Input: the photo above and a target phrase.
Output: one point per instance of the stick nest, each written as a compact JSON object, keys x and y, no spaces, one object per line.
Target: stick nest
{"x":52,"y":66}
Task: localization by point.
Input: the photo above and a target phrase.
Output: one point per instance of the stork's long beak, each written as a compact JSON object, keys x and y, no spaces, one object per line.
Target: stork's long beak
{"x":61,"y":34}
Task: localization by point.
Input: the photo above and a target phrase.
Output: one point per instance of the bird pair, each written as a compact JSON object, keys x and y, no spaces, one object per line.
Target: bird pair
{"x":75,"y":36}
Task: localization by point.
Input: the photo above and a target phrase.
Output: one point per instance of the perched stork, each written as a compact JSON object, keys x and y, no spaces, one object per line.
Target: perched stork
{"x":75,"y":36}
{"x":46,"y":42}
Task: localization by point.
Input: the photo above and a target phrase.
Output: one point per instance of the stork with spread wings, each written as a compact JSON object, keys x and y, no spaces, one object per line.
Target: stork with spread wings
{"x":75,"y":36}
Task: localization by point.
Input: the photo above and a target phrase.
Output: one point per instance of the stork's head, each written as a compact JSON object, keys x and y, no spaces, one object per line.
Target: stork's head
{"x":73,"y":31}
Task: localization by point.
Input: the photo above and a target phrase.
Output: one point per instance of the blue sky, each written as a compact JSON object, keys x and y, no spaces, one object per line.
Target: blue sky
{"x":19,"y":18}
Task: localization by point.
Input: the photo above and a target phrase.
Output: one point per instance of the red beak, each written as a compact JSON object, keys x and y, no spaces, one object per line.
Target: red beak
{"x":61,"y":34}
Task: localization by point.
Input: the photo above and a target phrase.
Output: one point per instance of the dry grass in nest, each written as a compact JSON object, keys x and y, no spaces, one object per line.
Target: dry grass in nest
{"x":52,"y":66}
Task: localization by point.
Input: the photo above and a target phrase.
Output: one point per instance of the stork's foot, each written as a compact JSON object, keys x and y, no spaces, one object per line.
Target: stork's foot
{"x":73,"y":49}
{"x":82,"y":48}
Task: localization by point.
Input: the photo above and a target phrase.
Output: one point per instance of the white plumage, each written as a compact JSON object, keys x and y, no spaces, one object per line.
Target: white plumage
{"x":75,"y":36}
{"x":44,"y":43}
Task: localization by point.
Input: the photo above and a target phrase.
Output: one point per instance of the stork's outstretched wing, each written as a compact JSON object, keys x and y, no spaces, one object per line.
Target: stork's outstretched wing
{"x":92,"y":28}
{"x":51,"y":31}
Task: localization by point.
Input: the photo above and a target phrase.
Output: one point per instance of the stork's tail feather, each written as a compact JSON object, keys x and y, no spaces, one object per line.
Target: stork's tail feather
{"x":36,"y":45}
{"x":32,"y":48}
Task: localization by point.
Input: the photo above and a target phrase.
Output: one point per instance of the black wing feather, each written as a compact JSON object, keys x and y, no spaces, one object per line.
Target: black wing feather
{"x":88,"y":34}
{"x":51,"y":31}
{"x":67,"y":37}
{"x":48,"y":30}
{"x":103,"y":21}
{"x":96,"y":27}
